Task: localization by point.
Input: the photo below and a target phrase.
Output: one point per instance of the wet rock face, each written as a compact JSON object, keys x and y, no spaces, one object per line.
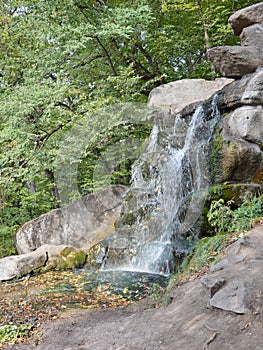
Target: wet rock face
{"x":235,"y":61}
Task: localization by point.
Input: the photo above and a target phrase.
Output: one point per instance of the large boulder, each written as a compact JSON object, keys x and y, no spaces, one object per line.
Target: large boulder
{"x":252,"y":36}
{"x":235,"y":61}
{"x":81,"y":224}
{"x":246,"y":91}
{"x":246,"y":123}
{"x":231,"y":95}
{"x":42,"y":259}
{"x":240,"y":160}
{"x":177,"y":95}
{"x":246,"y":17}
{"x":253,"y":94}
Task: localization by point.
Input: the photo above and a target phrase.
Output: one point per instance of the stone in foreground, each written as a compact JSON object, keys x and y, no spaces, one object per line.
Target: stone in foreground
{"x":45,"y":258}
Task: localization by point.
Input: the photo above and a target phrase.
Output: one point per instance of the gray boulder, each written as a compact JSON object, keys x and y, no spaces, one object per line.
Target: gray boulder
{"x":44,"y":258}
{"x":81,"y":224}
{"x":230,"y":298}
{"x":246,"y":123}
{"x":253,"y":94}
{"x":231,"y":95}
{"x":252,"y":36}
{"x":246,"y":17}
{"x":175,"y":96}
{"x":235,"y":61}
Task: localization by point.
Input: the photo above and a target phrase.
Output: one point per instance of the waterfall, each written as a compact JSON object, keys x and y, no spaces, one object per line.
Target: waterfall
{"x":163,"y":206}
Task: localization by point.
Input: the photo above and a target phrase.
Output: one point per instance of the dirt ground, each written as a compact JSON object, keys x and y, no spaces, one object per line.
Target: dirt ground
{"x":188,"y":322}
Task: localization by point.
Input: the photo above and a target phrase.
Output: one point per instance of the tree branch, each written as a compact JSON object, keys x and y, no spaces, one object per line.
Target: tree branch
{"x":42,"y":139}
{"x":152,"y":63}
{"x":107,"y":55}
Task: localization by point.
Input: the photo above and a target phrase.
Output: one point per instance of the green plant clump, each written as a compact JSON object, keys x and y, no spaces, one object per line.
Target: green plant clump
{"x":228,"y":224}
{"x":224,"y":219}
{"x":9,"y":333}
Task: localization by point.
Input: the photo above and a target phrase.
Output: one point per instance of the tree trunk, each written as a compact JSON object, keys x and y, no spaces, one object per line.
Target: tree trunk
{"x":53,"y":190}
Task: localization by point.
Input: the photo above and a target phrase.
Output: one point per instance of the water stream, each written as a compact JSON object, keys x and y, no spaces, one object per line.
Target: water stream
{"x":161,"y":211}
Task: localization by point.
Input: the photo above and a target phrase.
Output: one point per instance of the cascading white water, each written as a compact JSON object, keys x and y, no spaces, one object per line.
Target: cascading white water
{"x":172,"y":169}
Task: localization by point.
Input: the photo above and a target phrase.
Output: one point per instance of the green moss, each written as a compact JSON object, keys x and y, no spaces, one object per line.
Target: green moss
{"x":206,"y":252}
{"x":129,"y":218}
{"x":71,"y":258}
{"x":92,"y":256}
{"x":258,"y":178}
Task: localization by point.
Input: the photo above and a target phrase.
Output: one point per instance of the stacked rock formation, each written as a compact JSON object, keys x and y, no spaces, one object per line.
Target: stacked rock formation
{"x":236,"y":61}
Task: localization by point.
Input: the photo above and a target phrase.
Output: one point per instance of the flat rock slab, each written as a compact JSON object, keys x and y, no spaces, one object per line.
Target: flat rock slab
{"x":230,"y":297}
{"x":175,"y":96}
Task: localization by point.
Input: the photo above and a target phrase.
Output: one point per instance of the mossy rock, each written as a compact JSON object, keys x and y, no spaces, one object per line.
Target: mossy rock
{"x":95,"y":256}
{"x":234,"y":192}
{"x":72,"y":258}
{"x":68,"y":258}
{"x":216,"y":149}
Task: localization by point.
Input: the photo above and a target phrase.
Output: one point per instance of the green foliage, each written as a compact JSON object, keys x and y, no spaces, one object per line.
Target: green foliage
{"x":109,"y":158}
{"x":206,"y":251}
{"x":10,"y":333}
{"x":225,"y":219}
{"x":220,"y":215}
{"x":7,"y":233}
